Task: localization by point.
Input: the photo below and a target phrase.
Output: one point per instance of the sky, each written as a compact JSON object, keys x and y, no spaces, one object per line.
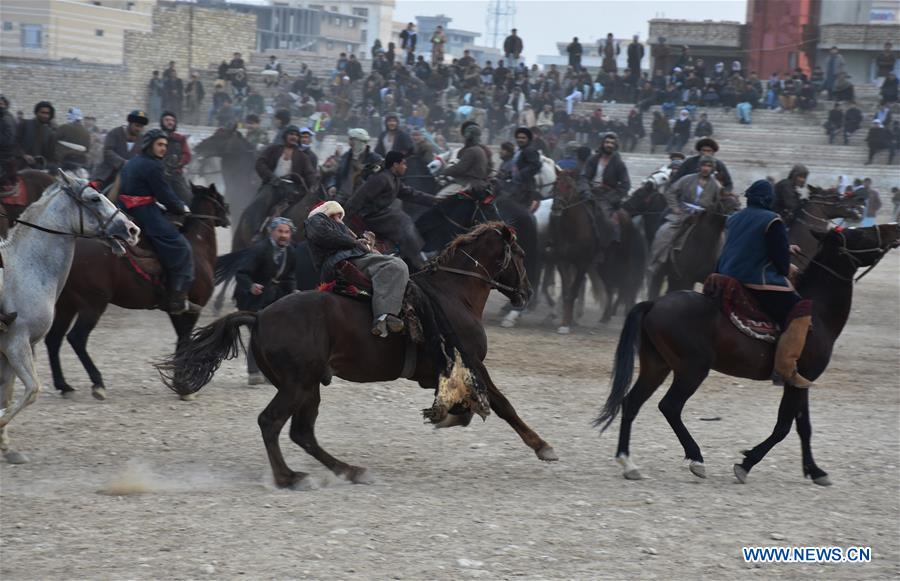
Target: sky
{"x":543,"y":23}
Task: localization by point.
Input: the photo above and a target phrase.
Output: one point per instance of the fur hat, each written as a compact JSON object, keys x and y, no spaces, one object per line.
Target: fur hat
{"x":138,"y":116}
{"x":329,"y":208}
{"x":359,"y":134}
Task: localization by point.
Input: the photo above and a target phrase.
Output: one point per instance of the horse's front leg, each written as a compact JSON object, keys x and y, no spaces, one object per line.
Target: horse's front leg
{"x":787,"y":410}
{"x":505,"y":410}
{"x":20,"y":357}
{"x":804,"y":430}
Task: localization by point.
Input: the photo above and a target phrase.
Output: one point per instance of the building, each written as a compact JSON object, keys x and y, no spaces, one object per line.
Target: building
{"x":859,"y":28}
{"x":458,"y":40}
{"x":590,"y":57}
{"x":92,"y":32}
{"x":377,"y":16}
{"x":714,"y":42}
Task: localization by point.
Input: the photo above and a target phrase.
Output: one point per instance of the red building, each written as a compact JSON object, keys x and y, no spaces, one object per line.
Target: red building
{"x":781,"y":35}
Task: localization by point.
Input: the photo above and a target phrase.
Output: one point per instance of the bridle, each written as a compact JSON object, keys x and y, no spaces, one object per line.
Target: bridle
{"x":216,"y":219}
{"x":82,"y":208}
{"x":855,"y":262}
{"x":486,"y":277}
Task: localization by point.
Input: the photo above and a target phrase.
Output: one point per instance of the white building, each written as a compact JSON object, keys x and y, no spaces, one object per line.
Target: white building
{"x":379,"y":14}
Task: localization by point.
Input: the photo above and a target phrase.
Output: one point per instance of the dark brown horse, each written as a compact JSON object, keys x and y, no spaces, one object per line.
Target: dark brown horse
{"x":237,"y":158}
{"x":304,"y":339}
{"x":33,"y":183}
{"x":575,"y":245}
{"x":685,"y":333}
{"x":98,"y":279}
{"x":815,"y":216}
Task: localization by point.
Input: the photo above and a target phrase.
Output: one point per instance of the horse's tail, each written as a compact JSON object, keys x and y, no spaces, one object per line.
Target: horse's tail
{"x":228,"y":265}
{"x":192,"y":365}
{"x":623,"y":369}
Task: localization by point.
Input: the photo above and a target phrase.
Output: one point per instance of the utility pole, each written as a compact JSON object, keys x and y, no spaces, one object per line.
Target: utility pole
{"x":500,"y":19}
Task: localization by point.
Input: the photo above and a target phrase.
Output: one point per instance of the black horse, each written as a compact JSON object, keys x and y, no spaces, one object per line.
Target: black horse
{"x":685,"y":333}
{"x":237,"y":157}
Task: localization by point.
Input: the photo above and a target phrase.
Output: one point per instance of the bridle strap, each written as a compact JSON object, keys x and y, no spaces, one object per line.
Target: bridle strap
{"x":490,"y":281}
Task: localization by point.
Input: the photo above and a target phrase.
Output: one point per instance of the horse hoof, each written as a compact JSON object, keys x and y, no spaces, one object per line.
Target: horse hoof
{"x":547,"y":454}
{"x":13,"y":457}
{"x":698,"y":469}
{"x":633,"y":474}
{"x":99,"y":393}
{"x":507,"y":324}
{"x":740,"y":473}
{"x":359,"y":476}
{"x":822,"y":480}
{"x":304,"y":484}
{"x":564,"y":330}
{"x":68,"y":393}
{"x":187,"y":396}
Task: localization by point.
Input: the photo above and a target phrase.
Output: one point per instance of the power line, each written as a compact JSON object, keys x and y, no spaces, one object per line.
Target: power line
{"x":500,"y":19}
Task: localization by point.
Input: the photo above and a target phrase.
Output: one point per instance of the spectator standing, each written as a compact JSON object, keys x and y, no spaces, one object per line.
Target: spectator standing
{"x":438,"y":42}
{"x":852,"y":121}
{"x":609,"y":50}
{"x":835,"y":122}
{"x":834,"y":66}
{"x":889,"y":88}
{"x":173,"y":88}
{"x":575,"y":51}
{"x":704,"y":128}
{"x":879,"y":139}
{"x":409,"y":38}
{"x":273,"y":65}
{"x":884,"y":63}
{"x":155,"y":91}
{"x":660,"y":133}
{"x":194,"y":93}
{"x":513,"y":46}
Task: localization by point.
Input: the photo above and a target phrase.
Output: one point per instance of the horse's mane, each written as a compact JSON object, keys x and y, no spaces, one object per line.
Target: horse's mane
{"x":32,"y":211}
{"x":467,"y":238}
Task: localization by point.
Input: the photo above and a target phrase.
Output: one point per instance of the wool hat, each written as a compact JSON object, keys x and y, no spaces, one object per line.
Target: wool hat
{"x":329,"y":208}
{"x":760,"y":194}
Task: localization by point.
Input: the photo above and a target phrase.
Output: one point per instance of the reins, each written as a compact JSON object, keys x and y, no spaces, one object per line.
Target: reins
{"x":854,"y":261}
{"x":81,"y":208}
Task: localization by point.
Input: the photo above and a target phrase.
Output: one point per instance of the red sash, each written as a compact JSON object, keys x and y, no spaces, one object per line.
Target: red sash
{"x":135,"y":201}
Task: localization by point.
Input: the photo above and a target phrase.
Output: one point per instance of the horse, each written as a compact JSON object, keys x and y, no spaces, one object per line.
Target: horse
{"x":696,"y":259}
{"x":814,"y":216}
{"x":685,"y":333}
{"x":648,"y":203}
{"x":37,"y":258}
{"x":99,"y":279}
{"x":575,"y":245}
{"x":238,"y":158}
{"x":28,"y":188}
{"x":304,"y":339}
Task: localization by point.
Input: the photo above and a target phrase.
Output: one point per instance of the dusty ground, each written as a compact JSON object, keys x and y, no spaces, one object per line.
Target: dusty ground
{"x":452,"y":504}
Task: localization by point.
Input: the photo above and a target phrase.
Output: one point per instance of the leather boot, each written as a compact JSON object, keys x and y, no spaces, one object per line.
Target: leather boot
{"x":789,"y":349}
{"x":177,"y":304}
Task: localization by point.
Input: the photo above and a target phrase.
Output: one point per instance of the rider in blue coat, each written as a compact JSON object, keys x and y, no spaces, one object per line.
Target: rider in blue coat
{"x":758,"y":254}
{"x":143,"y":188}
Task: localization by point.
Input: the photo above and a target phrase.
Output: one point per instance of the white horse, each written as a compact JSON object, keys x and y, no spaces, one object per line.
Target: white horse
{"x":36,"y":258}
{"x":543,"y":180}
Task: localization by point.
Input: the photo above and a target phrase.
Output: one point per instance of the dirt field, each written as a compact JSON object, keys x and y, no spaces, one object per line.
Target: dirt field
{"x":458,"y":503}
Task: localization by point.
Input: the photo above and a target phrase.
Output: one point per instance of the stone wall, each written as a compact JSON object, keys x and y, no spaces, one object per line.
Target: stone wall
{"x":697,"y":32}
{"x":193,"y":37}
{"x":858,"y":36}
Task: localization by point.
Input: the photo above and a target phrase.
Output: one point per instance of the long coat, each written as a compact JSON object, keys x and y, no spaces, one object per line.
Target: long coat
{"x":260,"y":268}
{"x":116,"y":151}
{"x":300,"y":165}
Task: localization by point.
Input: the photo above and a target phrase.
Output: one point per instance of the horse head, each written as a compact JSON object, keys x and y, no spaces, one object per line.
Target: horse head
{"x":225,"y":141}
{"x":209,"y":202}
{"x":96,"y":215}
{"x":829,"y":204}
{"x":492,"y":249}
{"x":852,"y":248}
{"x":566,"y":187}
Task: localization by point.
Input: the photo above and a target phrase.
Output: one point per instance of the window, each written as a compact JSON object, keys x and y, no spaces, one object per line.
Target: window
{"x":351,"y":22}
{"x":361,"y":12}
{"x":336,"y":20}
{"x":334,"y":9}
{"x":98,"y":32}
{"x":317,"y":7}
{"x":329,"y":45}
{"x":32,"y":36}
{"x":129,"y":6}
{"x":7,"y":26}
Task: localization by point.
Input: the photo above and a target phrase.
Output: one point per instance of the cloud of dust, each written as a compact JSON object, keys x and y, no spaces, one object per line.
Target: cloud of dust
{"x":137,"y":477}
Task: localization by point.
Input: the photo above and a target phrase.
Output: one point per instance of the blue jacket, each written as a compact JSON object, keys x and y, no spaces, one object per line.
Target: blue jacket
{"x":145,"y":176}
{"x":757,"y":251}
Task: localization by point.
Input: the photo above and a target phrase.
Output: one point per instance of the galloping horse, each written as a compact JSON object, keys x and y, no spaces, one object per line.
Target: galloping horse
{"x":98,"y":278}
{"x":304,"y":339}
{"x":814,"y":216}
{"x":36,"y":259}
{"x":685,"y":333}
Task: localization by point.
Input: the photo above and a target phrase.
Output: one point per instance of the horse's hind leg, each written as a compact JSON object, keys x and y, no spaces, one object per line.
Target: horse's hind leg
{"x":78,"y":339}
{"x":7,"y":385}
{"x":271,"y":421}
{"x":303,"y":434}
{"x":685,"y":384}
{"x":654,"y":371}
{"x":20,"y":356}
{"x":791,"y":403}
{"x":804,"y":430}
{"x":61,"y":323}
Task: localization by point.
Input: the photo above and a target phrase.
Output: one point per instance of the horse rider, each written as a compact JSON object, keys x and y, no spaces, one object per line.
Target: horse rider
{"x":473,"y":166}
{"x":758,"y":254}
{"x":352,"y":163}
{"x":706,"y":146}
{"x":376,"y":202}
{"x":73,"y":132}
{"x":525,"y":167}
{"x":605,"y":180}
{"x":37,"y":136}
{"x":266,"y":275}
{"x":285,"y":170}
{"x":690,"y":194}
{"x":120,"y":145}
{"x":178,"y":156}
{"x":331,"y":241}
{"x":143,"y":188}
{"x":790,"y":193}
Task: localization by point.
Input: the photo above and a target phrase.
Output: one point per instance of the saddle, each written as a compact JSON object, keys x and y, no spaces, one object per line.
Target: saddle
{"x":14,"y":194}
{"x":143,"y":259}
{"x":350,"y":281}
{"x":744,"y":311}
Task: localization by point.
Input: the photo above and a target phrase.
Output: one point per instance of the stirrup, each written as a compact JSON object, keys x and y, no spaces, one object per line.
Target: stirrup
{"x":379,"y":328}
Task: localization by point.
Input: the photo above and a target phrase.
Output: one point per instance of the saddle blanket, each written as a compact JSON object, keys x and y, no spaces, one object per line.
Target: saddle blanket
{"x":740,"y":308}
